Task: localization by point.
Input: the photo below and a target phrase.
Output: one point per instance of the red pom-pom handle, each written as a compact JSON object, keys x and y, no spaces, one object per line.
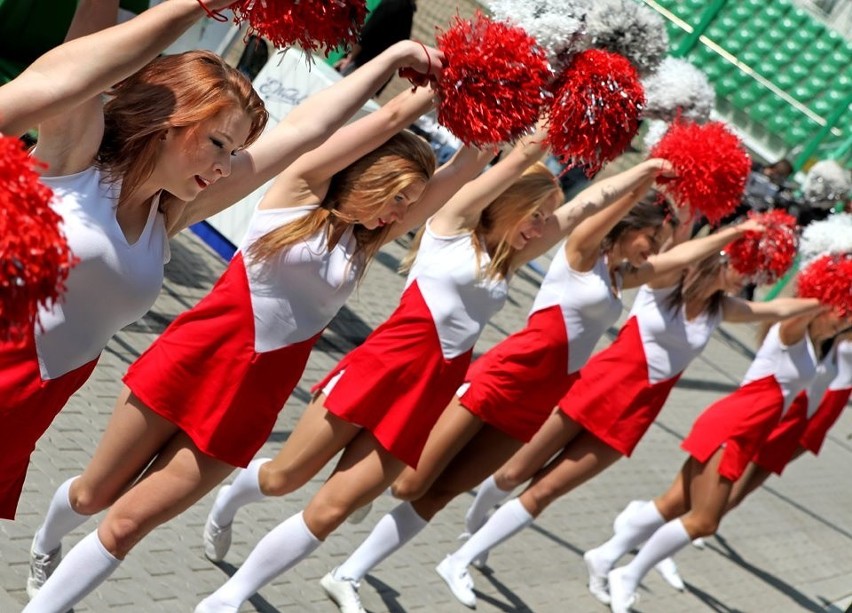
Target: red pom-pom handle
{"x":315,"y":25}
{"x":494,"y":83}
{"x":829,"y":280}
{"x":766,"y":256}
{"x":34,"y":255}
{"x":595,"y":111}
{"x":711,"y":164}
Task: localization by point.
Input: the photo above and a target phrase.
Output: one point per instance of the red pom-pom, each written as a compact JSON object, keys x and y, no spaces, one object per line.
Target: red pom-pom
{"x":595,"y":109}
{"x":494,"y":83}
{"x":315,"y":25}
{"x":34,"y":255}
{"x":829,"y":280}
{"x":766,"y":256}
{"x":711,"y":165}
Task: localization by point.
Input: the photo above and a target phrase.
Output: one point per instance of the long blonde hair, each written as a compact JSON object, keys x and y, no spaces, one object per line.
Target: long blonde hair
{"x":357,"y":192}
{"x":536,"y":187}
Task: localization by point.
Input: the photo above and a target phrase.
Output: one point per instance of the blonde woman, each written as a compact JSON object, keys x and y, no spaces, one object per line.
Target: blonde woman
{"x":380,"y":402}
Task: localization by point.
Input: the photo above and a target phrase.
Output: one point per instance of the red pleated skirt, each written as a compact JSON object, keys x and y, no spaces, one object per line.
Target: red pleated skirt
{"x":28,"y":405}
{"x":203,"y":373}
{"x":782,"y":442}
{"x":613,"y":398}
{"x":515,"y":386}
{"x":740,"y":422}
{"x":397,"y":383}
{"x":829,"y":410}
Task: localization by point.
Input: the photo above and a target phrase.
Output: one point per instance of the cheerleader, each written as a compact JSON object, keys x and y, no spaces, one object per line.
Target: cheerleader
{"x":803,"y":428}
{"x":723,"y":440}
{"x":176,"y":142}
{"x":810,"y":415}
{"x":380,"y":402}
{"x":670,"y":323}
{"x":245,"y":344}
{"x":513,"y":388}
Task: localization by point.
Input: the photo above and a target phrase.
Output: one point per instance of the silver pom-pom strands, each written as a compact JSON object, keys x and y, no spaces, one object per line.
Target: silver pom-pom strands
{"x":826,"y":184}
{"x":629,"y":28}
{"x":675,"y":88}
{"x":832,"y":235}
{"x":559,"y":26}
{"x":656,"y":129}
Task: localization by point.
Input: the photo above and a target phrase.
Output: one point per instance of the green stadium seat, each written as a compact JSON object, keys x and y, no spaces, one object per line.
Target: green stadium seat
{"x":808,"y":58}
{"x":797,"y":134}
{"x":783,"y":80}
{"x":744,"y":98}
{"x":777,"y":123}
{"x":821,"y":107}
{"x":763,"y":46}
{"x":804,"y":92}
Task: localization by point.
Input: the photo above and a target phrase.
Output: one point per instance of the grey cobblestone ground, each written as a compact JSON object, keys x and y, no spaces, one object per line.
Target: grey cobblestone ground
{"x":788,"y":549}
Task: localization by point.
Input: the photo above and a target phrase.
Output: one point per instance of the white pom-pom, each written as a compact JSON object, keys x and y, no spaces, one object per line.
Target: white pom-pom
{"x":631,"y":29}
{"x":832,"y":235}
{"x":655,"y":131}
{"x":559,"y":26}
{"x":826,"y":184}
{"x":676,"y":86}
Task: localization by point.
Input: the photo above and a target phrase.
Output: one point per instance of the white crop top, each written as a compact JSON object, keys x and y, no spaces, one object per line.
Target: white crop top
{"x":793,"y":367}
{"x":296,"y":294}
{"x":670,"y":341}
{"x":114,"y":283}
{"x":460,"y":297}
{"x":587,"y":301}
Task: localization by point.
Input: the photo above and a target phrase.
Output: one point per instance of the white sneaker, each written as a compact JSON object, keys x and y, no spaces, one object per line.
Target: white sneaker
{"x":668,"y":571}
{"x":621,"y":598}
{"x":458,"y":580}
{"x":597,"y":577}
{"x":622,"y":518}
{"x":344,"y":592}
{"x":360,"y":514}
{"x":42,"y":566}
{"x":217,"y":540}
{"x":699,"y":543}
{"x":480,"y":561}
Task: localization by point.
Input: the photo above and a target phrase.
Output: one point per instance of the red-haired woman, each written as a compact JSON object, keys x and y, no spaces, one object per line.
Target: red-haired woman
{"x":722,"y":442}
{"x":670,"y":323}
{"x":204,"y":397}
{"x":177,"y":140}
{"x":379,"y":403}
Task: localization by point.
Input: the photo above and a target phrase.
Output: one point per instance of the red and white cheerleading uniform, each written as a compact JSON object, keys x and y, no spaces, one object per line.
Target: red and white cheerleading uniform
{"x":223,"y":370}
{"x":399,"y":381}
{"x":515,"y":386}
{"x":622,"y":389}
{"x":823,"y":415}
{"x":113,"y":285}
{"x":742,"y":421}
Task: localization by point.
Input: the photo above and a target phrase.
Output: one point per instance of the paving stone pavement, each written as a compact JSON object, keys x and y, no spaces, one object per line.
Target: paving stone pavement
{"x":789,"y":548}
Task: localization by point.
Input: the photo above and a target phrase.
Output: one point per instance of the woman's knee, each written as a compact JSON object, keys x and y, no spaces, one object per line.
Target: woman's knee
{"x":409,"y":486}
{"x":278,"y":481}
{"x":87,"y":499}
{"x":701,"y":524}
{"x":120,"y":533}
{"x":510,"y":476}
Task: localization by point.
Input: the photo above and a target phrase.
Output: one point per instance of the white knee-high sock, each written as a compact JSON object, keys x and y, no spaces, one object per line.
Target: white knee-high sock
{"x":85,"y":567}
{"x":392,"y":532}
{"x":509,"y":519}
{"x":636,"y":529}
{"x":244,"y":490}
{"x":287,"y":545}
{"x":665,"y":542}
{"x":487,"y":495}
{"x":59,"y":521}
